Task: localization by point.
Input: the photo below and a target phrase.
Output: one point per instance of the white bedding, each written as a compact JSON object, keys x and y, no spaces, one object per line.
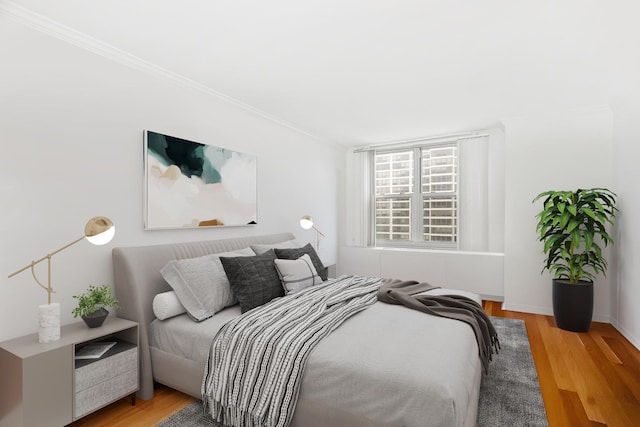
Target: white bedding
{"x":388,"y":363}
{"x":185,"y":338}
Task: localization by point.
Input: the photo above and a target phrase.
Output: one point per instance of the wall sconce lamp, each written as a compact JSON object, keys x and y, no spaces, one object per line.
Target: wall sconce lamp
{"x":306,"y":222}
{"x":98,"y":231}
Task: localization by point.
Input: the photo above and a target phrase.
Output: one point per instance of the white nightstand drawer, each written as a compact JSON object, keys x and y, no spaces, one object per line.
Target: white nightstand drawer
{"x":106,"y":392}
{"x":106,"y":368}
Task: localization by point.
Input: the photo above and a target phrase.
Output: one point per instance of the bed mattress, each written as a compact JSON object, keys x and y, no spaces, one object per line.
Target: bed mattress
{"x":387,"y":364}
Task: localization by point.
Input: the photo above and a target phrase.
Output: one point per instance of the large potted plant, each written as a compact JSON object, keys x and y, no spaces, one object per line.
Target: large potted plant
{"x":572,"y":226}
{"x":92,"y":303}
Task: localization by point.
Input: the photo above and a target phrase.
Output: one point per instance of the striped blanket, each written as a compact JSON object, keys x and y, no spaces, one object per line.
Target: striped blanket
{"x":255,"y":365}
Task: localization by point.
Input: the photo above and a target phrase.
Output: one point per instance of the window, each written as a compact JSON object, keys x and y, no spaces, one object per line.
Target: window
{"x":416,"y":195}
{"x":442,"y":192}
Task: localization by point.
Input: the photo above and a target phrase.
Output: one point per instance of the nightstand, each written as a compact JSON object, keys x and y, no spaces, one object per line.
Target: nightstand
{"x":44,"y":385}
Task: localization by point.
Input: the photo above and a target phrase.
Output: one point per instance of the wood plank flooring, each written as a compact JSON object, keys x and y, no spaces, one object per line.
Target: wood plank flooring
{"x":587,"y":379}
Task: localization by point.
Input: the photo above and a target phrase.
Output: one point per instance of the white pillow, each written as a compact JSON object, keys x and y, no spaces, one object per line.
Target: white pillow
{"x":166,"y":305}
{"x":287,"y":244}
{"x":201,"y":283}
{"x":297,"y":274}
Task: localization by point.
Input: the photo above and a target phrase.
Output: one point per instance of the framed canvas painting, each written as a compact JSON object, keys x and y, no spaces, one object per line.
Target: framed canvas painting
{"x":189,"y":184}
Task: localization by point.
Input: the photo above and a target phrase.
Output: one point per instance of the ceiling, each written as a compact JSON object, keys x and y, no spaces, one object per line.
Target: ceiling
{"x":367,"y":71}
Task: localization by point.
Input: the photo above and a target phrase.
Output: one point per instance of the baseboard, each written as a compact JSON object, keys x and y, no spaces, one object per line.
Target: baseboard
{"x":634,"y":340}
{"x":546,"y":311}
{"x":522,"y":308}
{"x":496,"y":298}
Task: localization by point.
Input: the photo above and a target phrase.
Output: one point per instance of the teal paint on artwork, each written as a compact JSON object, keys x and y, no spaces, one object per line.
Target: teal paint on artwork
{"x":188,"y":156}
{"x":192,"y":158}
{"x":210,"y":174}
{"x":215,"y":158}
{"x":157,"y":146}
{"x":212,"y":165}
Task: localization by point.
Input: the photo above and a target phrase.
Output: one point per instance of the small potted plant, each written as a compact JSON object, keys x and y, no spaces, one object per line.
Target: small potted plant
{"x":91,"y":305}
{"x":572,"y":224}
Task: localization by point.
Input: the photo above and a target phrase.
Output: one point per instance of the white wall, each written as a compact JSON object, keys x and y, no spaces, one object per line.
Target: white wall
{"x":625,"y":102}
{"x":625,"y":315}
{"x":552,"y":152}
{"x":71,"y":127}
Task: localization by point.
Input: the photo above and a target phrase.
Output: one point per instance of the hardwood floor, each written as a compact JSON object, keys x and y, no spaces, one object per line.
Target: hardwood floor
{"x":145,"y":413}
{"x":587,"y":379}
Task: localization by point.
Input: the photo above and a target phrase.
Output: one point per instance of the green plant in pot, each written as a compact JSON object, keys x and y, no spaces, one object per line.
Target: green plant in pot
{"x":92,"y":305}
{"x":572,"y":226}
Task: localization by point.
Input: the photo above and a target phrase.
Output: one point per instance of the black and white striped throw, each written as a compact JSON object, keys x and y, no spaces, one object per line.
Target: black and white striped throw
{"x":253,"y":373}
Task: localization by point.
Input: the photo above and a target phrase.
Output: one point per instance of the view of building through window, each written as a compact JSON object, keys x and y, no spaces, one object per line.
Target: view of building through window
{"x":427,"y":212}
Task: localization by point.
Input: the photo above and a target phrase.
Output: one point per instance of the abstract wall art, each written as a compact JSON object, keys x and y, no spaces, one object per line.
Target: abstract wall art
{"x":189,"y":184}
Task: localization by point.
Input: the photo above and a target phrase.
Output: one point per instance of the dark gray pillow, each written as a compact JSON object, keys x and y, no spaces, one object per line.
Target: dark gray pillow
{"x":298,"y":252}
{"x":288,"y":244}
{"x":254,"y":279}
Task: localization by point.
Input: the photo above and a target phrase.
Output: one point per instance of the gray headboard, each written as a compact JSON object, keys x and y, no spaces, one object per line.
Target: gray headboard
{"x":137,"y":280}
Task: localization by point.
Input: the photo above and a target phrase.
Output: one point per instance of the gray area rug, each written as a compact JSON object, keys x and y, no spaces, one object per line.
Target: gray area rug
{"x":509,"y":394}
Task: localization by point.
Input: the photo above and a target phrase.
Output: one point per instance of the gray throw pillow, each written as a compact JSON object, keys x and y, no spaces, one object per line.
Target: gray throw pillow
{"x":254,"y":279}
{"x":201,"y":283}
{"x":298,"y":252}
{"x":260,"y":249}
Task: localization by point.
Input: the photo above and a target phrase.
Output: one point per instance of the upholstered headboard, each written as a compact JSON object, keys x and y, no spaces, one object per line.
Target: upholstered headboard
{"x":137,"y":280}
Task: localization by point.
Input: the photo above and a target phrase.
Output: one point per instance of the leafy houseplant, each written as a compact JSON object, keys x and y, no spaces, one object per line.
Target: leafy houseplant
{"x":572,"y":224}
{"x":92,"y":303}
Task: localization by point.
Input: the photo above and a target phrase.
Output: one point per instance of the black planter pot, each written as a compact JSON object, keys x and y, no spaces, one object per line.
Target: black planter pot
{"x":96,"y":319}
{"x":573,"y":305}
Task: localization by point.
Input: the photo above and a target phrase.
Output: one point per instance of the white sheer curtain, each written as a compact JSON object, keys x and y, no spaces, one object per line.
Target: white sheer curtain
{"x":360,"y":211}
{"x":473,"y":193}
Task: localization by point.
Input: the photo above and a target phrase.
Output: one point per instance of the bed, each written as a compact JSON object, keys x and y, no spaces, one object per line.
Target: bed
{"x":385,"y":366}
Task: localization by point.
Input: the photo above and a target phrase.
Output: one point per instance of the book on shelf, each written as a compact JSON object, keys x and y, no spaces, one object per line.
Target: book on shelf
{"x":94,"y":350}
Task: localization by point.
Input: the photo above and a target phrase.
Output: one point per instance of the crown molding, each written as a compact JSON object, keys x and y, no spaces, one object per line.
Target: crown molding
{"x":52,"y":28}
